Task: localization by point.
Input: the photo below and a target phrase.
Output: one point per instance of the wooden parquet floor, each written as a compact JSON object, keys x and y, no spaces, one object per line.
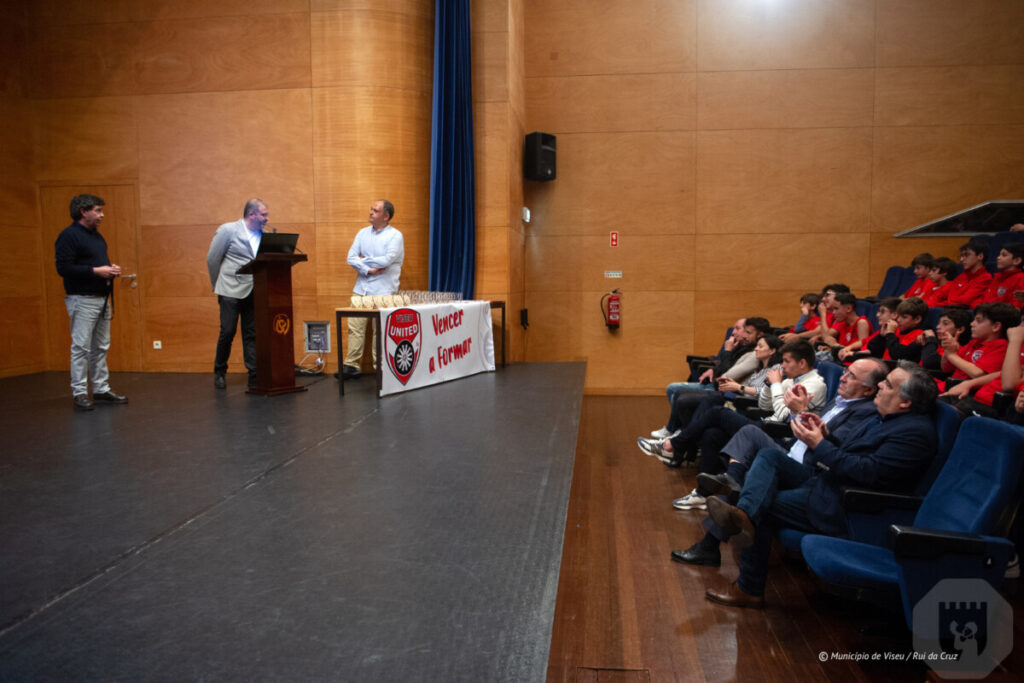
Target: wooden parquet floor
{"x":626,"y":612}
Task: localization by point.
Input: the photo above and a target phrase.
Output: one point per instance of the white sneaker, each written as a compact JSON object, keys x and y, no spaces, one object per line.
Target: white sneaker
{"x":652,"y":447}
{"x":663,"y":433}
{"x":1013,"y":569}
{"x":693,"y":501}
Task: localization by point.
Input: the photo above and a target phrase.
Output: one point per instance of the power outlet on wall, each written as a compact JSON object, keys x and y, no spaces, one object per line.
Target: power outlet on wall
{"x":157,"y":344}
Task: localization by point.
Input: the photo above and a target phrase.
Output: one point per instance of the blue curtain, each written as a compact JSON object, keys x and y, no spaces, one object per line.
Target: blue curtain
{"x":452,"y":186}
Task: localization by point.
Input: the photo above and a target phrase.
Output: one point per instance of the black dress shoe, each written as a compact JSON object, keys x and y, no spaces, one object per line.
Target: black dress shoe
{"x":734,"y":522}
{"x":83,"y":403}
{"x":350,"y":372}
{"x":720,"y":485}
{"x":220,"y":382}
{"x":109,"y":396}
{"x":697,"y":555}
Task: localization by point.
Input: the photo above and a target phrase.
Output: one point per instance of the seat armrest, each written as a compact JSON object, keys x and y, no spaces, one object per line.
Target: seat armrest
{"x":908,"y":541}
{"x":868,"y":501}
{"x":777,"y":430}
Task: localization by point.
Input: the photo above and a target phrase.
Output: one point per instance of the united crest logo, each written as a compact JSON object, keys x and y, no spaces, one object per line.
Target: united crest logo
{"x":403,"y":339}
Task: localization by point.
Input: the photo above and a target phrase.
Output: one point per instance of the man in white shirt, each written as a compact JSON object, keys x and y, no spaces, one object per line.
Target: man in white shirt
{"x":376,"y":255}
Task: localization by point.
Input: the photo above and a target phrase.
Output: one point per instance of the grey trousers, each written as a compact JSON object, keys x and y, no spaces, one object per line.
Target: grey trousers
{"x":90,"y":340}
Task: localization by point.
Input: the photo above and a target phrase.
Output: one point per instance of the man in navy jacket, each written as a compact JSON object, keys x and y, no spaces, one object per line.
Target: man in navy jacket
{"x":82,"y":261}
{"x":888,"y":451}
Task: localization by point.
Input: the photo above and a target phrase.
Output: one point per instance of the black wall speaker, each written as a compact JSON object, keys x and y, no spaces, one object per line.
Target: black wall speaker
{"x":539,"y":157}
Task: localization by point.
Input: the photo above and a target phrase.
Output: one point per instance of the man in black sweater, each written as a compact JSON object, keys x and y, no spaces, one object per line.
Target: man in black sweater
{"x":82,"y":261}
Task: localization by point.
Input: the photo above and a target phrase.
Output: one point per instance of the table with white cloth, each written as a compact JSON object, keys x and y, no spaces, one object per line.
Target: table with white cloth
{"x":423,"y":344}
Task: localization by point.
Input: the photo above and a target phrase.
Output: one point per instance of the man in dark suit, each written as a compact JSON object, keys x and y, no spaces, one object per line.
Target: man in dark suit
{"x":853,"y":404}
{"x":235,"y":244}
{"x":887,"y":451}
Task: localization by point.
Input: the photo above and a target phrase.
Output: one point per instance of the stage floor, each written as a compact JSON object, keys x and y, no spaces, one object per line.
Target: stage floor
{"x":203,"y":534}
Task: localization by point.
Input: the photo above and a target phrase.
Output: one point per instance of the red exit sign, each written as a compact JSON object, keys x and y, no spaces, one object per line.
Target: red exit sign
{"x":614,"y":239}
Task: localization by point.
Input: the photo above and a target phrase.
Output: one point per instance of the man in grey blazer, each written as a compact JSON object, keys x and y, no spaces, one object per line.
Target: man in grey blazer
{"x":235,"y":244}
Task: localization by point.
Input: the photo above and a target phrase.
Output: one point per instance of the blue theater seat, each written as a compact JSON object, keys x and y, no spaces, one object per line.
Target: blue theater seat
{"x":952,"y":535}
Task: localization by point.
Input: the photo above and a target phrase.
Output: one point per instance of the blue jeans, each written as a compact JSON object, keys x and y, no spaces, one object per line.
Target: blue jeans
{"x":775,"y":495}
{"x":90,"y":340}
{"x":674,"y":388}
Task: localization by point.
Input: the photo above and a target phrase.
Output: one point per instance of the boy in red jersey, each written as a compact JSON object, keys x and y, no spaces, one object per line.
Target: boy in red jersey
{"x":807,"y":326}
{"x":1001,"y":319}
{"x":922,"y":265}
{"x":981,"y":360}
{"x":886,"y":312}
{"x":899,"y":336}
{"x":1009,"y":280}
{"x":969,"y":286}
{"x":953,"y":322}
{"x":848,"y":326}
{"x":942,"y":274}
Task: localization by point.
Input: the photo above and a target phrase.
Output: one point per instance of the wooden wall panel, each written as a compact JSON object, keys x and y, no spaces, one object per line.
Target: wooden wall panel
{"x":173,"y":261}
{"x":187,"y":328}
{"x":949,"y":32}
{"x":604,"y":103}
{"x":950,"y":96}
{"x":921,"y":174}
{"x":739,"y":35}
{"x":352,"y":48}
{"x":490,"y":67}
{"x":489,"y":15}
{"x":86,"y":140}
{"x":578,"y":37}
{"x":22,"y":251}
{"x":717,"y":310}
{"x":820,"y":98}
{"x":804,"y":261}
{"x":567,"y":326}
{"x":173,"y":56}
{"x":424,"y":9}
{"x":85,"y":12}
{"x":371,"y":143}
{"x":605,"y":182}
{"x":492,"y":259}
{"x":491,"y":160}
{"x":784,"y":181}
{"x":208,"y":153}
{"x":888,"y":251}
{"x":649,"y":263}
{"x":23,"y":342}
{"x":17,"y":191}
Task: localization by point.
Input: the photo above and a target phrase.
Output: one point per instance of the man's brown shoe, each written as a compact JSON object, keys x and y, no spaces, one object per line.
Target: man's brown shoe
{"x":733,"y":596}
{"x":734,"y":522}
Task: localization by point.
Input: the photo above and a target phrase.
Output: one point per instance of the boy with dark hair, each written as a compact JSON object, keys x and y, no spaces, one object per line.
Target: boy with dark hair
{"x":983,"y":355}
{"x":827,"y":302}
{"x":953,"y":322}
{"x":943,"y":272}
{"x":848,"y":326}
{"x":1009,"y":280}
{"x":809,"y":322}
{"x":899,"y":336}
{"x":969,"y":286}
{"x":993,"y":320}
{"x":922,"y":265}
{"x":873,"y":343}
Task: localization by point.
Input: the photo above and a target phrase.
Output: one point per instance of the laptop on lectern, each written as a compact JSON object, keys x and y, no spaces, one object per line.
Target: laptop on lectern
{"x":278,"y":243}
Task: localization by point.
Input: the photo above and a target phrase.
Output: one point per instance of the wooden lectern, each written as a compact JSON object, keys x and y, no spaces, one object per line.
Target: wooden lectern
{"x":272,"y":304}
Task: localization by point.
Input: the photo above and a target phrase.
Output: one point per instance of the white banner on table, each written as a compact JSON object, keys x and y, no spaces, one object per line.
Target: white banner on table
{"x":432,"y":343}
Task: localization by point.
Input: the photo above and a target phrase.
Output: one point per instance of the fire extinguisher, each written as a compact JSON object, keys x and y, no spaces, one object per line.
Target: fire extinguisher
{"x":611,"y":311}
